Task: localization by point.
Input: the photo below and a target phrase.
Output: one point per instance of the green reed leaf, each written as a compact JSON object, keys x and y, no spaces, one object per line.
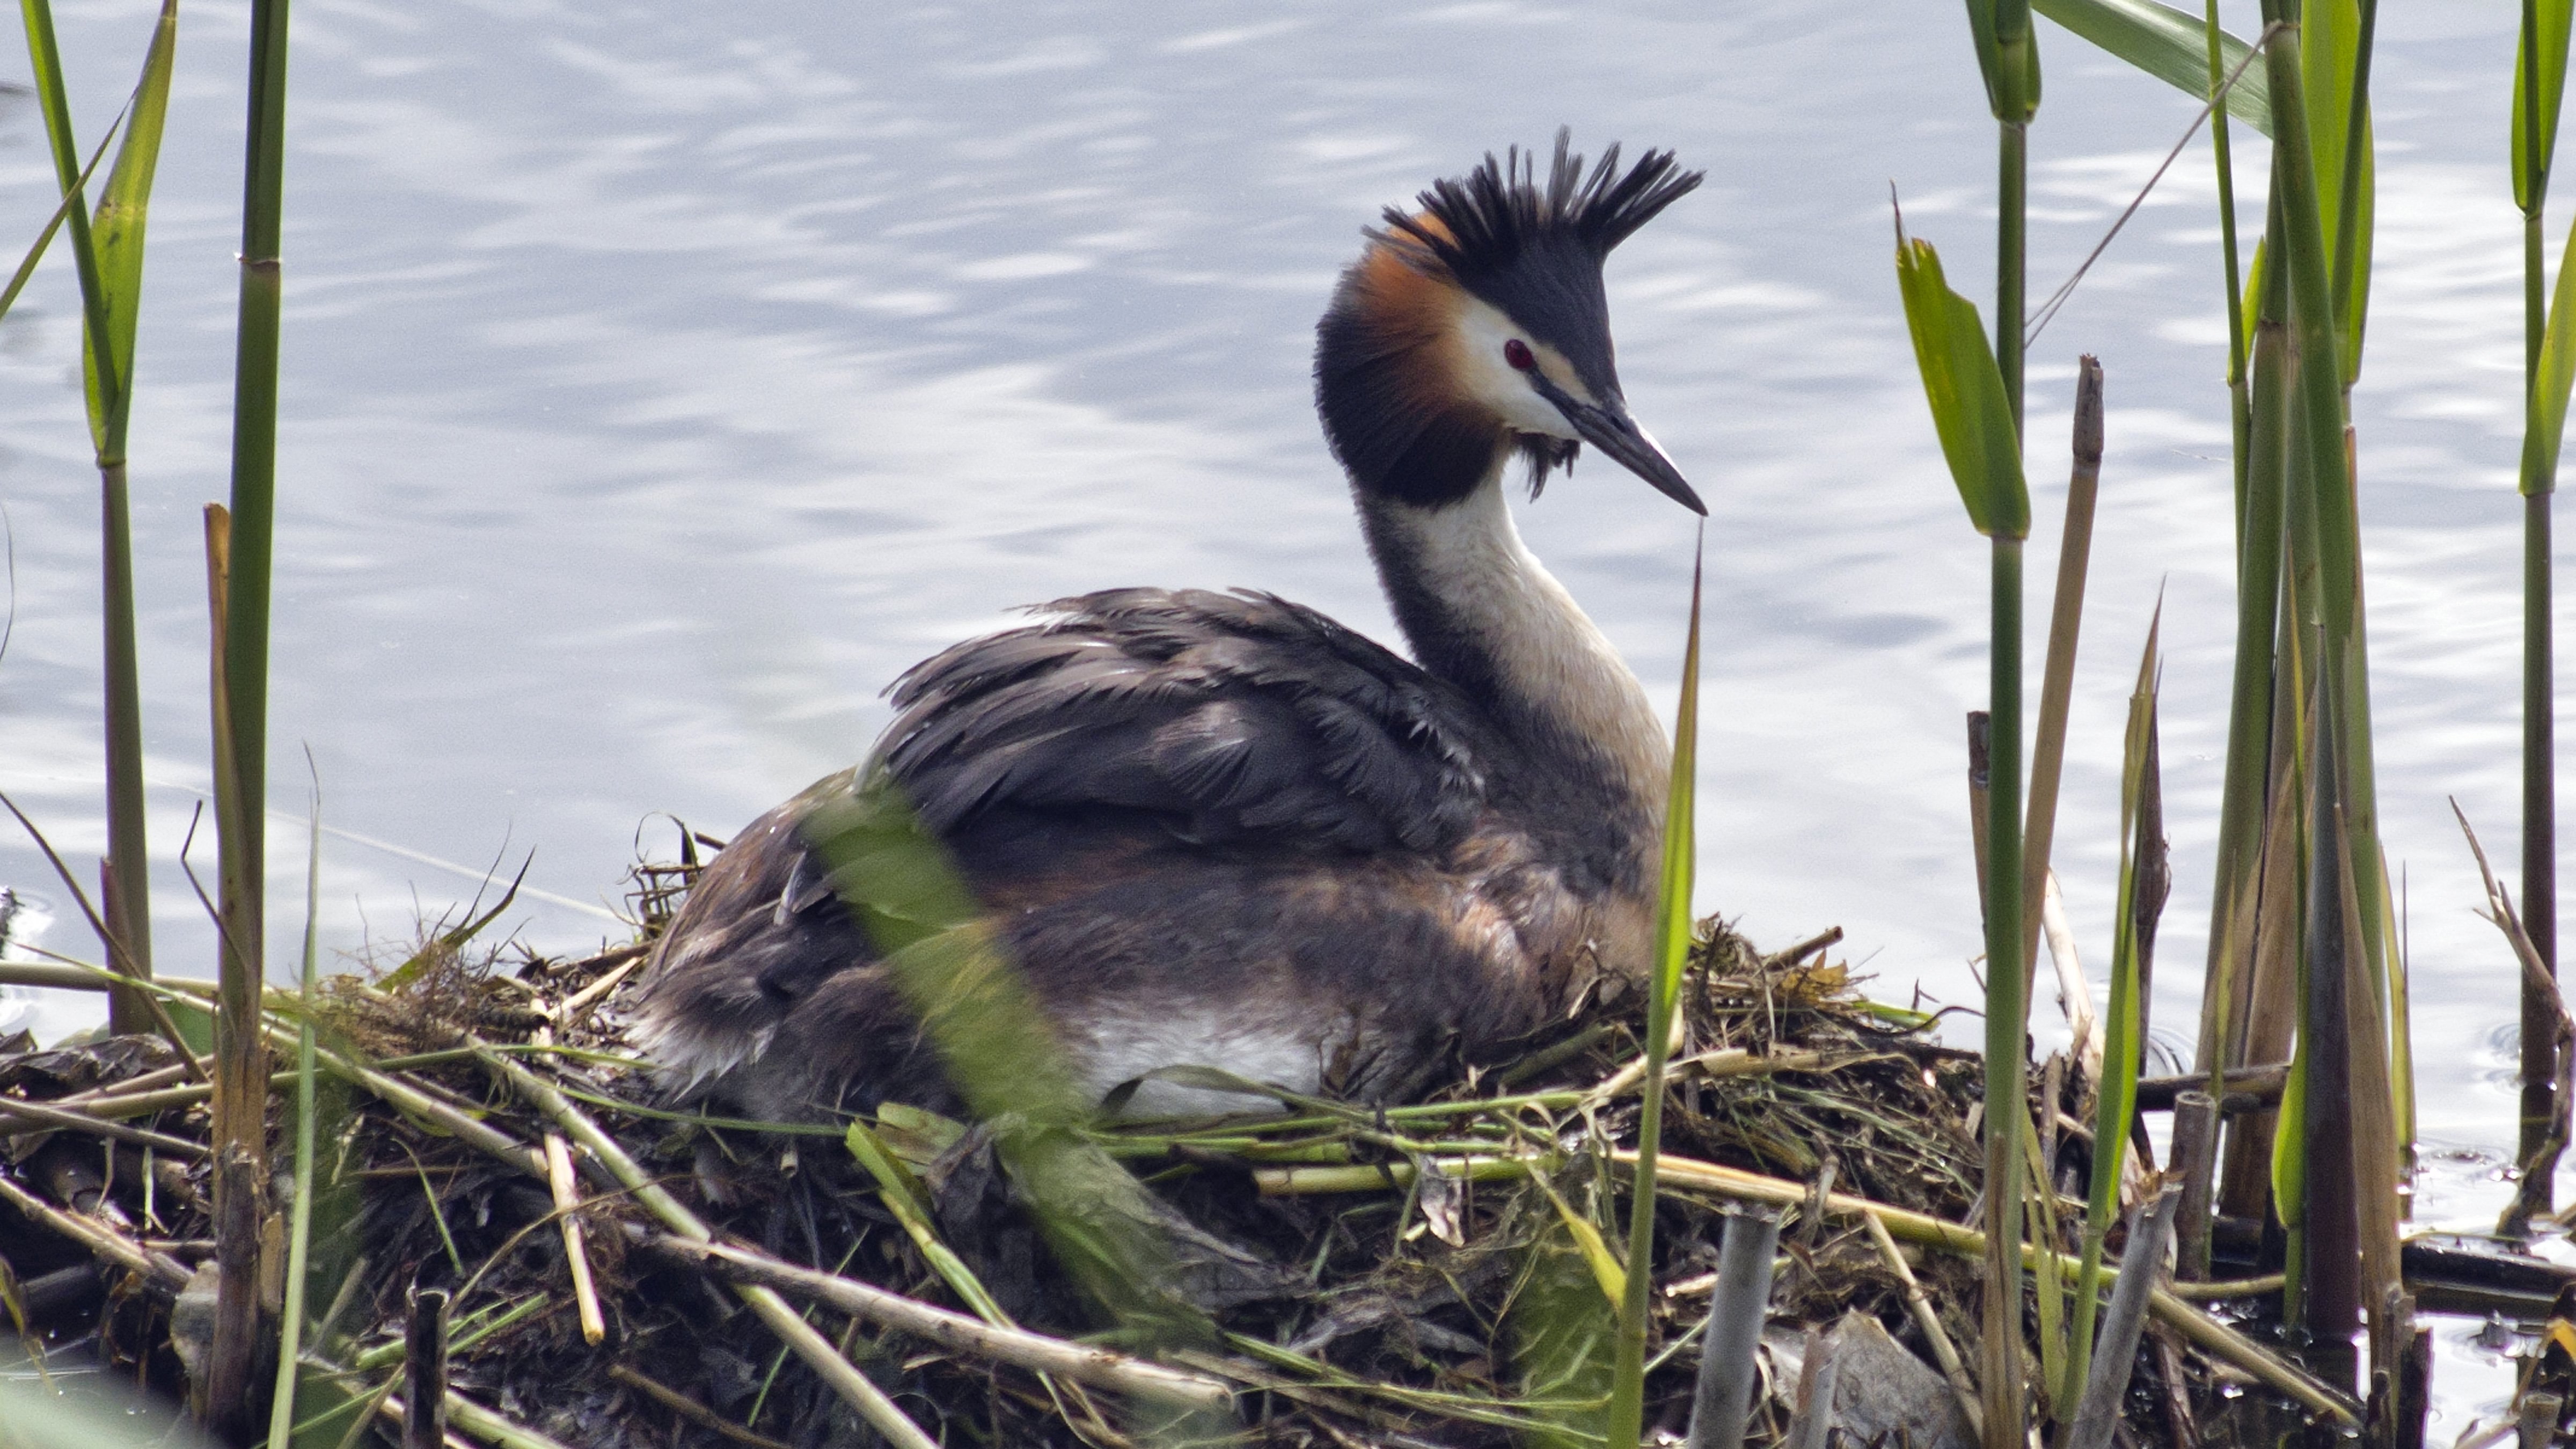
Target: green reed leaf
{"x":2535,"y":137}
{"x":116,"y":232}
{"x":1672,"y":950}
{"x":2549,"y":389}
{"x":2171,"y":45}
{"x":1966,"y":392}
{"x":2115,"y":1096}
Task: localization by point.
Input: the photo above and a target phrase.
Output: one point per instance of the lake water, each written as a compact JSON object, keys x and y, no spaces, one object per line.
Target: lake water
{"x":659,"y":381}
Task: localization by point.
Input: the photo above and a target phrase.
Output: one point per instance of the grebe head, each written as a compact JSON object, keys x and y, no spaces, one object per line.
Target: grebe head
{"x":1480,"y":320}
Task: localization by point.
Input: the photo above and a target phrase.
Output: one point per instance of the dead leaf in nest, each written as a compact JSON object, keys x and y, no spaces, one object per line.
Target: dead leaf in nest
{"x":1813,"y":985}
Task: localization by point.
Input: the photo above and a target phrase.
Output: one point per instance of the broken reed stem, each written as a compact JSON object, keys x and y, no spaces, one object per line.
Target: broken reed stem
{"x":1722,"y":1397}
{"x":425,"y":1371}
{"x":2057,"y":679}
{"x":240,"y":1101}
{"x":2115,"y":1358}
{"x":2195,"y":1152}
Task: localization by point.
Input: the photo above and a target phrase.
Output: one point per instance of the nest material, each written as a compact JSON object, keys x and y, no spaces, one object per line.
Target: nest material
{"x":1422,"y":1308}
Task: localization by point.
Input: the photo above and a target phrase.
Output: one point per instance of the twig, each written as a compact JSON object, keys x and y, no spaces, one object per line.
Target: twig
{"x":689,"y":1408}
{"x":953,"y":1331}
{"x":2531,"y":1194}
{"x":160,"y":1015}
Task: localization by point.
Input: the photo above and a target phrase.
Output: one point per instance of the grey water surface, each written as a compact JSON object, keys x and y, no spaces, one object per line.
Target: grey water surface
{"x":659,"y":381}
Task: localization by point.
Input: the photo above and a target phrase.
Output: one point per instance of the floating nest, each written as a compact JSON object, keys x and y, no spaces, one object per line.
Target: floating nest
{"x":1434,"y":1274}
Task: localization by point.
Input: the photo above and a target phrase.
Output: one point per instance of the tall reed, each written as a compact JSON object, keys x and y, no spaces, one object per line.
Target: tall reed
{"x":2008,"y":56}
{"x":2539,"y":84}
{"x":241,"y":709}
{"x":1980,"y":440}
{"x":107,"y":254}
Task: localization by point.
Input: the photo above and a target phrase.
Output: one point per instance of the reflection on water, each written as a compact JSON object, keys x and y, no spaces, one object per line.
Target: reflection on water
{"x":661,"y":380}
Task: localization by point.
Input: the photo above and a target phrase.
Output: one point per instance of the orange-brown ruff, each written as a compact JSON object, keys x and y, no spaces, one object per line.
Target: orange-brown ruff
{"x":1222,"y":830}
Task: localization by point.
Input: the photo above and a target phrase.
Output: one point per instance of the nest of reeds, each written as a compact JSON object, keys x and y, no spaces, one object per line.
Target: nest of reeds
{"x":1433,"y":1274}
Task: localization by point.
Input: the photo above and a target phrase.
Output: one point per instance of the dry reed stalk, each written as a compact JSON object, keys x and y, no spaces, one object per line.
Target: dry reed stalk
{"x":567,"y":1198}
{"x":2057,"y":678}
{"x":957,"y":1332}
{"x":46,"y":1116}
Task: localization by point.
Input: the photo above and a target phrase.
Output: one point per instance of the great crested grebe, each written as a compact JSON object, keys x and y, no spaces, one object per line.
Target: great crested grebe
{"x":1223,"y":830}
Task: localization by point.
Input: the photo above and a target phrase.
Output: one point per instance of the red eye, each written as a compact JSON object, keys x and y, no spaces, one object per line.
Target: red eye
{"x":1517,"y":353}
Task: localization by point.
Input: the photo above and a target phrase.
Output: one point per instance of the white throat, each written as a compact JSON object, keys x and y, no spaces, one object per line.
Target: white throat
{"x":1555,"y":671}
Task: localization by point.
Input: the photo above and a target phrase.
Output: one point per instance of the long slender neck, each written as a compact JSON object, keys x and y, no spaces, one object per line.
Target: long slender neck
{"x":1483,"y":613}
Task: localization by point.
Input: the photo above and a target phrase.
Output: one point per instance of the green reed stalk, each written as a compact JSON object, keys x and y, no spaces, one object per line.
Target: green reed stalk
{"x":299,"y":1231}
{"x":2240,"y":803}
{"x":2540,"y":78}
{"x":2010,"y":55}
{"x":1672,"y":941}
{"x":2239,"y":406}
{"x":2236,"y":896}
{"x":2331,"y":1302}
{"x":241,"y":728}
{"x":2007,"y":1005}
{"x":2115,"y":1098}
{"x":108,"y":257}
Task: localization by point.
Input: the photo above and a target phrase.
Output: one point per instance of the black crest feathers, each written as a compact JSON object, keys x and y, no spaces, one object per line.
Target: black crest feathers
{"x":1482,"y":223}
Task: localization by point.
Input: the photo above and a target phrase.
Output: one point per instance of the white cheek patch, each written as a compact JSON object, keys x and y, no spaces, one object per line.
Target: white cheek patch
{"x":1485,"y":376}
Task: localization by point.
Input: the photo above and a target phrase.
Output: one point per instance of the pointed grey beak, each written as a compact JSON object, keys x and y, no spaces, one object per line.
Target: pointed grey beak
{"x":1615,"y":433}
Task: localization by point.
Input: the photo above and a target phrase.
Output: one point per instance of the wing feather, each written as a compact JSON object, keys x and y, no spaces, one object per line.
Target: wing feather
{"x":1224,"y":716}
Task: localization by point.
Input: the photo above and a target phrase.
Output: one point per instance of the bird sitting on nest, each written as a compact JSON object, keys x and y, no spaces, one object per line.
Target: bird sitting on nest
{"x":1224,"y":830}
